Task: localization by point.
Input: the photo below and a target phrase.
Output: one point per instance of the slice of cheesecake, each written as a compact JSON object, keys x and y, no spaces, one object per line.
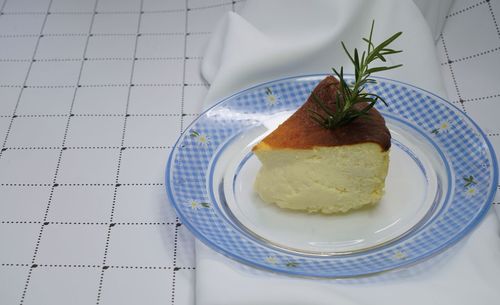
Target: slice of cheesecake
{"x":310,"y":168}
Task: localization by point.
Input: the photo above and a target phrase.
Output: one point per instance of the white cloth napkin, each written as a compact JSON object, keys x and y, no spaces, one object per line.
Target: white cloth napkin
{"x":274,"y":39}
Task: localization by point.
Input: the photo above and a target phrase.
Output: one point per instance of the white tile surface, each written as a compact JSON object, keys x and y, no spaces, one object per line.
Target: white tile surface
{"x":158,"y":72}
{"x":143,"y":165}
{"x":9,"y":97}
{"x":187,"y":120}
{"x":171,"y":22}
{"x":4,"y":125}
{"x":95,"y":131}
{"x":115,"y":24}
{"x":485,"y":113}
{"x":12,"y":280}
{"x":495,"y":7}
{"x":193,"y":98}
{"x":88,"y":166}
{"x":160,"y":46}
{"x":26,"y":6}
{"x":135,"y":245}
{"x":62,"y":73}
{"x":161,"y":99}
{"x":65,"y":47}
{"x":37,"y":132}
{"x":85,"y":199}
{"x":474,"y":39}
{"x":28,"y":166}
{"x":111,"y":47}
{"x":459,"y":5}
{"x":118,"y":5}
{"x":77,"y":244}
{"x":21,"y":24}
{"x":495,"y":142}
{"x":17,"y":48}
{"x":143,"y":204}
{"x":40,"y":101}
{"x":160,"y":5}
{"x":66,"y":24}
{"x":450,"y":84}
{"x":441,"y":51}
{"x":100,"y":100}
{"x":136,"y":286}
{"x":98,"y":72}
{"x":163,"y":131}
{"x":13,"y":73}
{"x":205,"y":3}
{"x":63,"y":286}
{"x":18,"y":242}
{"x":484,"y":70}
{"x":23,"y":202}
{"x":72,"y":5}
{"x":81,"y":204}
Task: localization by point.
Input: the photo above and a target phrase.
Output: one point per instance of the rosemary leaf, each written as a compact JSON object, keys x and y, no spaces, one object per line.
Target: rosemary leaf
{"x":352,"y":93}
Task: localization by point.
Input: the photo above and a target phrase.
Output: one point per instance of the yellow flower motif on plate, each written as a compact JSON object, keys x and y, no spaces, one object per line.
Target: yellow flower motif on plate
{"x":399,"y":255}
{"x":444,"y":126}
{"x":271,"y":260}
{"x":272,"y":99}
{"x":470,"y":188}
{"x":470,"y":191}
{"x":194,"y":205}
{"x":201,"y":138}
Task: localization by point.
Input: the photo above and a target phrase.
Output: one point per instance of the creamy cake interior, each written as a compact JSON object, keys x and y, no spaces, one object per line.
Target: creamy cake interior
{"x":308,"y":167}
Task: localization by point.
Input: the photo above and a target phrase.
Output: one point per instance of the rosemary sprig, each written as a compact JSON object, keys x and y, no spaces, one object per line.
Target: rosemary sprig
{"x":350,"y":94}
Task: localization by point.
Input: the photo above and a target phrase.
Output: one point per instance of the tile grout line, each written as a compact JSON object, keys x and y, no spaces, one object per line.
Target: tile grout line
{"x":450,"y":66}
{"x":493,"y":18}
{"x":103,"y":34}
{"x":471,"y":56}
{"x":482,"y":98}
{"x":84,"y":147}
{"x":100,"y":115}
{"x":180,"y":10}
{"x":199,"y":8}
{"x":82,"y":184}
{"x":468,"y":8}
{"x":477,"y":99}
{"x":174,"y":261}
{"x":109,"y":85}
{"x":56,"y":172}
{"x":96,"y":266}
{"x":172,"y":58}
{"x":183,"y":92}
{"x":89,"y":223}
{"x":120,"y":155}
{"x":26,"y":77}
{"x":28,"y":277}
{"x":183,"y":89}
{"x":90,"y":13}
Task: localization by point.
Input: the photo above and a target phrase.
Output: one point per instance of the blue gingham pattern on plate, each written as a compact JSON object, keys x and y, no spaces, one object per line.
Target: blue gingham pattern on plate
{"x":465,"y":147}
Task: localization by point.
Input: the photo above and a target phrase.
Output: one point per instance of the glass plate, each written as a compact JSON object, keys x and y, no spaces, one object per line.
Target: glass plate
{"x":442,"y":178}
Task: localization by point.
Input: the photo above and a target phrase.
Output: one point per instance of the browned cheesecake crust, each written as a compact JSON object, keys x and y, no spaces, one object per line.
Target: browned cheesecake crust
{"x":301,"y":132}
